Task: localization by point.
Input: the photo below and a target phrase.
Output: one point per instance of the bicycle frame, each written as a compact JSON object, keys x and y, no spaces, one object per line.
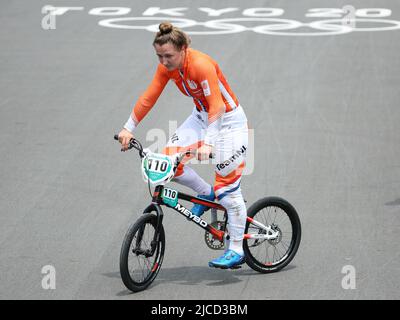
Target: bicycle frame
{"x":147,"y":250}
{"x":267,"y":232}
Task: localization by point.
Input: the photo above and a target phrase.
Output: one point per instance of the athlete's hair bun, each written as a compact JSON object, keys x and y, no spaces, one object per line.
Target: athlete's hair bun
{"x":172,"y":34}
{"x":165,"y":28}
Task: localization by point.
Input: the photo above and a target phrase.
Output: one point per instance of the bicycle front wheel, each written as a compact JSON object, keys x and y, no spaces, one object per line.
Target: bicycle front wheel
{"x":271,"y":255}
{"x":142,"y":253}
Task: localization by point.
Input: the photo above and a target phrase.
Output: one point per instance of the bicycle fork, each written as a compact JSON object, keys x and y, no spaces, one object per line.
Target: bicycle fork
{"x":153,"y":245}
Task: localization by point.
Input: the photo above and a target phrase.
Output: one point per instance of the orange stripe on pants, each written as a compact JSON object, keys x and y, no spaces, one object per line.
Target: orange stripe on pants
{"x":179,"y":149}
{"x":221,"y":181}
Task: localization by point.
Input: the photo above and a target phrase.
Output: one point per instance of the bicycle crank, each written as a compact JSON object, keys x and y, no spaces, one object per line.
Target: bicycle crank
{"x":212,"y":242}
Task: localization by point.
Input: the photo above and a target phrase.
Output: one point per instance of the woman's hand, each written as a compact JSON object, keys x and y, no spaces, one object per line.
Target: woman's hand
{"x":124,"y":137}
{"x":203,"y":153}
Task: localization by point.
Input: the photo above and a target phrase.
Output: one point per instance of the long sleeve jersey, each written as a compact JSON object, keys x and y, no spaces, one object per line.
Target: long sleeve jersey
{"x":201,"y":79}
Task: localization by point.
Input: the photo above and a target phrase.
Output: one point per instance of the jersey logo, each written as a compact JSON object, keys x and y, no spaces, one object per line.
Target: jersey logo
{"x":200,"y":118}
{"x":206,"y":88}
{"x":192,"y":84}
{"x":237,"y":154}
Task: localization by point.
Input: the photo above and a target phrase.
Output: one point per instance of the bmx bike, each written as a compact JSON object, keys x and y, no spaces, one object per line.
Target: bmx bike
{"x":271,"y":237}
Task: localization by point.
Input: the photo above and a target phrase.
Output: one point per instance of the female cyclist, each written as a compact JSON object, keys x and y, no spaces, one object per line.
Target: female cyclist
{"x":217,"y":125}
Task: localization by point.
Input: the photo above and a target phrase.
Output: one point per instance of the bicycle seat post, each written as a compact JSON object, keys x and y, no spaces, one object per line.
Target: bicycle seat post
{"x":214,"y":215}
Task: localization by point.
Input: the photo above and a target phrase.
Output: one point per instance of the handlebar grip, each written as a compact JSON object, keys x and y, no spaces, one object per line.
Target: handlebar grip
{"x":116,"y":137}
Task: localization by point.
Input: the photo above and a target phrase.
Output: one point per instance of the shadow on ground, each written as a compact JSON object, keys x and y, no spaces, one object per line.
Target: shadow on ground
{"x":199,"y":274}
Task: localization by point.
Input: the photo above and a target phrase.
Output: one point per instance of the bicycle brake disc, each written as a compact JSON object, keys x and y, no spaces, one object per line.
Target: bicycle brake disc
{"x":212,"y":242}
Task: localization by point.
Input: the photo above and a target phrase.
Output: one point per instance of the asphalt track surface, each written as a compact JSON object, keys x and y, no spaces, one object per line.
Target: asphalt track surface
{"x":325,"y":113}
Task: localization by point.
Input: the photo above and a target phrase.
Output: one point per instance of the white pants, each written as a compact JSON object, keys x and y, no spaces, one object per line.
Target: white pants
{"x":230,"y":154}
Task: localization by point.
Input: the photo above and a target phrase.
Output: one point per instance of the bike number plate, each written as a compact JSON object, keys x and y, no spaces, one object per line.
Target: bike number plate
{"x":170,"y":197}
{"x":157,"y":168}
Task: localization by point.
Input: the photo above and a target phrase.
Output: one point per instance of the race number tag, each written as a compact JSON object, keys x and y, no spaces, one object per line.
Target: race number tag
{"x":156,"y":167}
{"x":170,"y":197}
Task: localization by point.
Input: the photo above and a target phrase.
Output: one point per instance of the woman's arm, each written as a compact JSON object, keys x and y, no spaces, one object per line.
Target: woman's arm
{"x":148,"y":99}
{"x":207,"y":76}
{"x":143,"y":105}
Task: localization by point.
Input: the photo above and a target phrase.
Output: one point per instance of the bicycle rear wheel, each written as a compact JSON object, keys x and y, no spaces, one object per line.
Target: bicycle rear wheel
{"x":141,"y":257}
{"x":272,"y":255}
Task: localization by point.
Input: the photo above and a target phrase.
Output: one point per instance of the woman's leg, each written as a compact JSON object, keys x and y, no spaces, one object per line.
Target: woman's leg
{"x":188,"y":136}
{"x":231,"y":149}
{"x":189,"y":178}
{"x":229,"y":195}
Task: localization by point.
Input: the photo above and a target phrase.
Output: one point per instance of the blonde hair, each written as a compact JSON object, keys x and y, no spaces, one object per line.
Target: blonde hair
{"x":170,"y":34}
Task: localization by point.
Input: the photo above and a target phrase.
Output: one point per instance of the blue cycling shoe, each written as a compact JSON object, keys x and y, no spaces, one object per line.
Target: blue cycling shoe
{"x":199,"y":209}
{"x":230,"y":259}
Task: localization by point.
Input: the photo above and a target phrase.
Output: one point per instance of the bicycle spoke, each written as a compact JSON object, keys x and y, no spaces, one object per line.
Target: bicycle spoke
{"x":267,"y":258}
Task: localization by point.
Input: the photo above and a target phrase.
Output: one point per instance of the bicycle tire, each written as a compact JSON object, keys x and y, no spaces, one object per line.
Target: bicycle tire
{"x":140,"y":235}
{"x":257,"y":211}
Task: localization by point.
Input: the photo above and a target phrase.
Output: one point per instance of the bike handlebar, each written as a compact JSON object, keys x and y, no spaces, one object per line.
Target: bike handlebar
{"x":133,"y":143}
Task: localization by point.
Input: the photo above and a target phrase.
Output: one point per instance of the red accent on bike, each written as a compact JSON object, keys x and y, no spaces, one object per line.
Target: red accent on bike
{"x":156,"y":193}
{"x":218,"y":234}
{"x":155,"y":267}
{"x":246,"y":235}
{"x":268,"y":264}
{"x":207,"y":204}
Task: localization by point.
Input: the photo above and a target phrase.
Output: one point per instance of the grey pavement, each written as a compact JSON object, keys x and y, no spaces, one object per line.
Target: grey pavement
{"x":325,"y":114}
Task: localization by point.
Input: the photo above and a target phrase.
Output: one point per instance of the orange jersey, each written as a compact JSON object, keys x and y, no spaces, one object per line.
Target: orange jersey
{"x":201,"y":79}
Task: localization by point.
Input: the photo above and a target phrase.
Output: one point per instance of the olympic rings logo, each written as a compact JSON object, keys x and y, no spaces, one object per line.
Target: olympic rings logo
{"x":266,"y":21}
{"x":266,"y":26}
